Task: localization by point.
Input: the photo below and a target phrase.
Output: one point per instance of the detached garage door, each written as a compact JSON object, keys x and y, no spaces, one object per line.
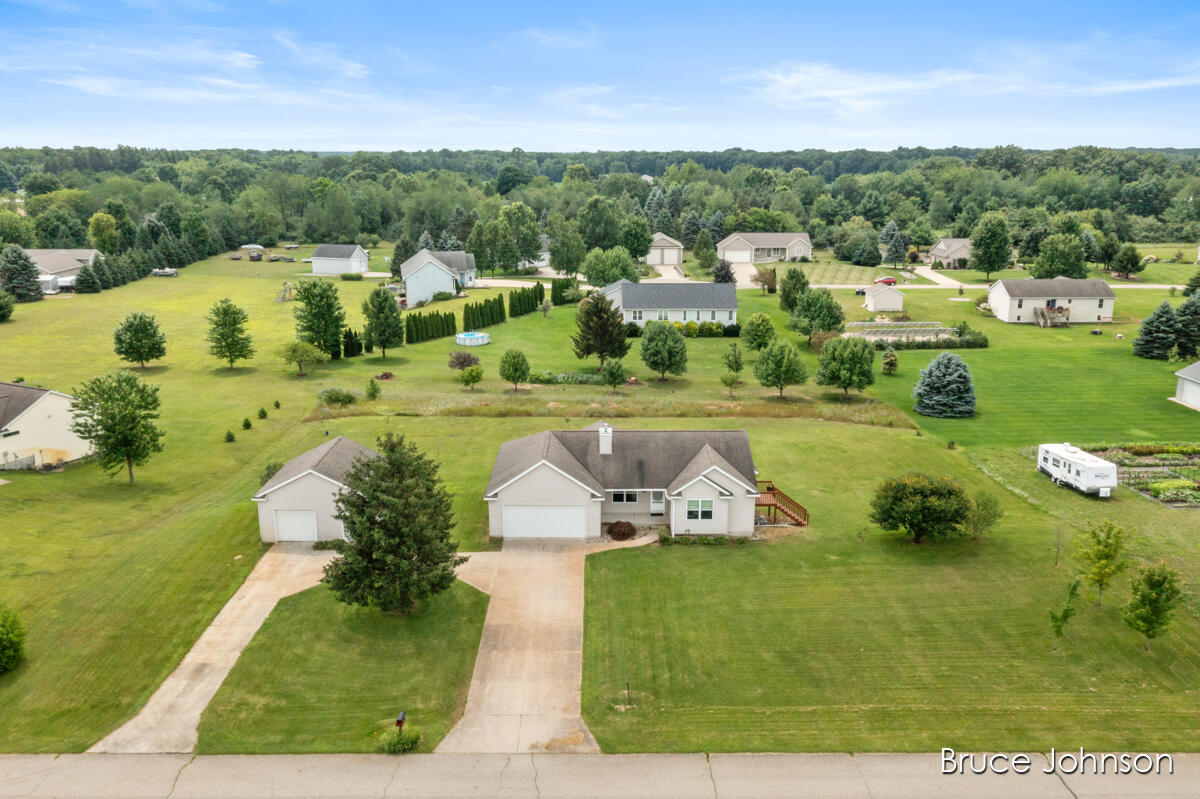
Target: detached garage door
{"x":738,"y":256}
{"x":545,"y":521}
{"x":655,"y":256}
{"x":671,"y":256}
{"x":295,"y":524}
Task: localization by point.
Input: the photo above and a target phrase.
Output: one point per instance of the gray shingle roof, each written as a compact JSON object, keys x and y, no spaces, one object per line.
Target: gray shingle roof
{"x":948,"y":245}
{"x":663,"y":240}
{"x":15,"y":399}
{"x":334,"y":250}
{"x":54,"y":262}
{"x":332,"y":459}
{"x":454,"y":261}
{"x":1058,"y":287}
{"x":678,"y":296}
{"x":879,"y":288}
{"x":1190,"y":372}
{"x":765,"y":239}
{"x":641,"y":459}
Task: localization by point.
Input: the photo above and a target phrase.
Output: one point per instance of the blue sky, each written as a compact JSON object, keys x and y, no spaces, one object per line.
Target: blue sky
{"x":619,"y":75}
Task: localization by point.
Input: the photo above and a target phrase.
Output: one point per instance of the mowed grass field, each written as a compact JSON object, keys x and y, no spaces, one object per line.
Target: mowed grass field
{"x":321,"y":676}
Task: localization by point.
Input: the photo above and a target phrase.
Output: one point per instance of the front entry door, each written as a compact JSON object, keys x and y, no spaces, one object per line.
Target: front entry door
{"x":658,"y":502}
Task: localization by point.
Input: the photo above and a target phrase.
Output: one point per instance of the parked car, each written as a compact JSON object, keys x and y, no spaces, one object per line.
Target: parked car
{"x":887,"y":281}
{"x":860,"y":292}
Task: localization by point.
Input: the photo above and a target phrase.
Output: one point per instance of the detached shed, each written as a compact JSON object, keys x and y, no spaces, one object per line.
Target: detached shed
{"x":1187,"y":386}
{"x":297,"y":503}
{"x":336,"y":259}
{"x":882,"y":297}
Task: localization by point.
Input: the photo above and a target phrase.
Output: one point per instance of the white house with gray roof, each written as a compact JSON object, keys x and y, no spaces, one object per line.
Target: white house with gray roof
{"x":429,"y":272}
{"x":1187,"y":386}
{"x":1064,"y":299}
{"x":337,"y":259}
{"x":673,"y":302}
{"x":35,"y":428}
{"x":62,"y":263}
{"x":298,"y":502}
{"x":570,"y":483}
{"x":757,"y":248}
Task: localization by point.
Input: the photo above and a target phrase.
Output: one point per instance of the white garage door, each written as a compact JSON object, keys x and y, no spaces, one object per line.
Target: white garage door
{"x":545,"y":521}
{"x":737,"y":256}
{"x":654,"y":257}
{"x":671,"y":256}
{"x":295,"y":524}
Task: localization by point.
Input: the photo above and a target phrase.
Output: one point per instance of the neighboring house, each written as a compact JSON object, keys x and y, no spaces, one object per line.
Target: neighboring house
{"x":1053,"y":301}
{"x":429,"y":272}
{"x":297,"y":503}
{"x":882,"y":297}
{"x":1187,"y":386}
{"x":757,"y":248}
{"x":337,"y":259}
{"x":664,"y":251}
{"x":35,"y":428}
{"x":568,"y":483}
{"x":673,"y":302}
{"x":953,"y":253}
{"x":61,"y":263}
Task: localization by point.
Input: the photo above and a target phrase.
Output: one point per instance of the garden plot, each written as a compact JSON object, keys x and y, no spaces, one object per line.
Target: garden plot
{"x":900,"y":331}
{"x":1169,"y":473}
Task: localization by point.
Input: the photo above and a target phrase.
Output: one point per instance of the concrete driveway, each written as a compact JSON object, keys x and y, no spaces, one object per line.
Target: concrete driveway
{"x":168,"y":721}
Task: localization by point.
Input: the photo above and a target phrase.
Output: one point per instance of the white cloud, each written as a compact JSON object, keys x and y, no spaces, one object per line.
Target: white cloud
{"x":321,"y":54}
{"x":561,"y":39}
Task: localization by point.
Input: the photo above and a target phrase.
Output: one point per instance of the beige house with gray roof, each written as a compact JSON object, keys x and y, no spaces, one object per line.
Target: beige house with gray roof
{"x":298,"y":502}
{"x":570,"y":483}
{"x":62,"y":263}
{"x":757,"y":248}
{"x":952,"y":253}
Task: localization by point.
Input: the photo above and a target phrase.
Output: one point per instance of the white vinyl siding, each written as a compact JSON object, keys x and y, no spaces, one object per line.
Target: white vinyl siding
{"x":699,"y":509}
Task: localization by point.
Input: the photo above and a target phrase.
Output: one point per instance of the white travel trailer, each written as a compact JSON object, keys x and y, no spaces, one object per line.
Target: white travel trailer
{"x":1071,"y":466}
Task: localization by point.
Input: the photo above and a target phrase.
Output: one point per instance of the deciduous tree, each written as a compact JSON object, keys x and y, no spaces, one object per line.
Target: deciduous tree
{"x":227,"y":336}
{"x":991,"y":244}
{"x":138,"y":339}
{"x":116,"y":413}
{"x":664,"y":349}
{"x":301,"y":352}
{"x":794,"y":283}
{"x":602,"y":267}
{"x":1101,"y":550}
{"x":921,"y":505}
{"x":1155,"y":592}
{"x":514,"y":368}
{"x":470,"y":375}
{"x":779,"y":366}
{"x":1060,"y":255}
{"x":816,"y":311}
{"x":613,"y":374}
{"x":846,"y":363}
{"x":758,"y":332}
{"x":1060,"y":617}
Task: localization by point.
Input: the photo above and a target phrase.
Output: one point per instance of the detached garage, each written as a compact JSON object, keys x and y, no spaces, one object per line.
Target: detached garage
{"x":664,"y":251}
{"x":297,"y":503}
{"x":1187,"y":386}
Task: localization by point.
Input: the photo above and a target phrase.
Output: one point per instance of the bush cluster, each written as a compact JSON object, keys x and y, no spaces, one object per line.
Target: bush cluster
{"x":973,"y":340}
{"x":548,"y":377}
{"x":621,"y":531}
{"x":423,"y":327}
{"x":563,"y":291}
{"x":442,"y":296}
{"x":484,"y":313}
{"x":523,"y":301}
{"x":12,"y":640}
{"x":396,"y":742}
{"x":352,"y":276}
{"x":337,"y":396}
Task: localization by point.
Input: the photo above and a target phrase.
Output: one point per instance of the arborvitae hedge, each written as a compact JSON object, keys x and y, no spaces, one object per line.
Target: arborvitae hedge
{"x":432,"y":324}
{"x":523,"y":301}
{"x":484,"y":313}
{"x":558,"y":289}
{"x":351,"y":343}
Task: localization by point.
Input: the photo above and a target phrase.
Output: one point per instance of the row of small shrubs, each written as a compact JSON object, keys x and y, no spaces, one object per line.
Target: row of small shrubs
{"x":564,"y":291}
{"x":442,"y":296}
{"x":523,"y":301}
{"x":246,"y":425}
{"x":420,"y":327}
{"x":351,"y":276}
{"x":667,"y":540}
{"x":549,"y":377}
{"x":477,"y":315}
{"x":692,"y":329}
{"x":352,"y":343}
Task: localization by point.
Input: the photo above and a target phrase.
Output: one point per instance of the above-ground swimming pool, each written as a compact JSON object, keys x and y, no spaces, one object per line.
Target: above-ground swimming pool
{"x":472,"y":339}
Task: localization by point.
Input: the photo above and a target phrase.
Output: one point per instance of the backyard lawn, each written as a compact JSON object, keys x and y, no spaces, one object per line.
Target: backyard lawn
{"x":335,"y":686}
{"x":824,"y":270}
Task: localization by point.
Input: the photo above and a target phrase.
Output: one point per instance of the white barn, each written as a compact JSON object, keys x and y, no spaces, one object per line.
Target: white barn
{"x":297,"y":503}
{"x":1187,"y":386}
{"x":35,"y":428}
{"x":664,"y":251}
{"x":1083,"y":301}
{"x":429,"y":272}
{"x":337,"y":259}
{"x":882,"y":297}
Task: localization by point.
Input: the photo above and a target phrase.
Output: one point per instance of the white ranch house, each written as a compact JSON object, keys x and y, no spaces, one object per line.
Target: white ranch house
{"x":297,"y":503}
{"x":953,"y":253}
{"x":664,"y":251}
{"x":1060,"y":300}
{"x":35,"y":428}
{"x":337,"y":259}
{"x":673,"y":302}
{"x":756,"y":248}
{"x":882,"y":297}
{"x":570,"y":483}
{"x":1187,"y":386}
{"x":57,"y":269}
{"x":429,"y":272}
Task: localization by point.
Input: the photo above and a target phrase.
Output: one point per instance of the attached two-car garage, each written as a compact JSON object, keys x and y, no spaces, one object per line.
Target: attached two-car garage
{"x":544,"y":521}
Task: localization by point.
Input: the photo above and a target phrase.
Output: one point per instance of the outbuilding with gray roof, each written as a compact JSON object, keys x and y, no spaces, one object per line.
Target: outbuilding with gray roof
{"x":674,"y":302}
{"x":338,"y":259}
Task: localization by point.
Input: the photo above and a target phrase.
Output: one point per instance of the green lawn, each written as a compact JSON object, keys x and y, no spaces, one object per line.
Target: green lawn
{"x":321,"y":676}
{"x":825,"y":269}
{"x":844,"y":638}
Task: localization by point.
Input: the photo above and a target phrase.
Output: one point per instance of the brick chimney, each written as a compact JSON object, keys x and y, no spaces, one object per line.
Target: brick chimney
{"x":606,"y":432}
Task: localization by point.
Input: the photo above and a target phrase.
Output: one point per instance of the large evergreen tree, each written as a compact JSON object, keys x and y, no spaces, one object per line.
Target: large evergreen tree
{"x":138,"y":339}
{"x":227,"y":336}
{"x":7,"y":304}
{"x":86,"y":281}
{"x":319,"y":316}
{"x":18,"y":275}
{"x":1193,"y":284}
{"x":664,"y":349}
{"x":397,"y":548}
{"x":116,"y":414}
{"x":1187,"y":338}
{"x":600,"y":330}
{"x":1127,"y":261}
{"x":945,"y":388}
{"x":991,"y":244}
{"x":1159,"y":334}
{"x":385,"y":325}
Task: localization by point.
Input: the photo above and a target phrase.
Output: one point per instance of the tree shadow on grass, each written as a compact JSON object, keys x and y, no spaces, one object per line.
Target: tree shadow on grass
{"x":146,"y":371}
{"x":237,"y":371}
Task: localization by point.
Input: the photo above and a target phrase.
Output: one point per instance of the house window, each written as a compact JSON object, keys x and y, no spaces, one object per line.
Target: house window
{"x":714,"y":315}
{"x":637,"y":316}
{"x":699,"y":508}
{"x":1020,"y":303}
{"x":1018,"y":317}
{"x":662,"y":316}
{"x":1101,"y":305}
{"x":731,"y":313}
{"x":624,"y":497}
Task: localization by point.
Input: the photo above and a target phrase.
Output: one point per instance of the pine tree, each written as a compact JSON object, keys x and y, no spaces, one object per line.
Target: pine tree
{"x":385,"y":326}
{"x":19,"y":275}
{"x":889,"y":363}
{"x":8,"y":304}
{"x":227,"y":336}
{"x":139,"y":340}
{"x":1187,"y":316}
{"x":102,"y":273}
{"x":1158,"y":334}
{"x":664,"y":349}
{"x":692,"y":225}
{"x":600,"y":330}
{"x":793,"y":284}
{"x":945,"y":388}
{"x":86,"y":281}
{"x":425,"y":242}
{"x":889,"y":233}
{"x":1193,"y":284}
{"x":397,"y":548}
